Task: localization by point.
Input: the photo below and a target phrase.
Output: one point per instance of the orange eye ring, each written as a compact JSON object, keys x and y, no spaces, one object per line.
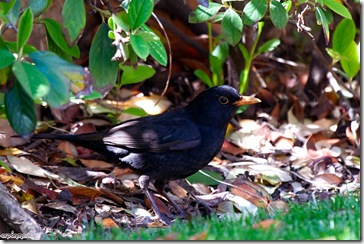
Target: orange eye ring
{"x":223,"y":100}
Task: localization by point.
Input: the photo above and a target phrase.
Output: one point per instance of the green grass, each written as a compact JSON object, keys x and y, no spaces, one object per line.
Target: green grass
{"x":338,"y":219}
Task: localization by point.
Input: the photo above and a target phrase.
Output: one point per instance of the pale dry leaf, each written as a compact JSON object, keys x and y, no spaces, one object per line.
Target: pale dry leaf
{"x":260,"y":170}
{"x":63,"y":206}
{"x":247,"y":136}
{"x":25,"y":166}
{"x":326,"y":181}
{"x":250,"y":191}
{"x":31,"y":205}
{"x":6,"y":131}
{"x":242,"y":204}
{"x":177,"y":190}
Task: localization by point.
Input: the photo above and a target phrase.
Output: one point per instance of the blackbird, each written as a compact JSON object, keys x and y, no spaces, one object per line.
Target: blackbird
{"x":168,"y":146}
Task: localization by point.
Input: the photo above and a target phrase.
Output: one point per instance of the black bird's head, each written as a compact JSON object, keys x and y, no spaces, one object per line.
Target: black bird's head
{"x":217,"y":105}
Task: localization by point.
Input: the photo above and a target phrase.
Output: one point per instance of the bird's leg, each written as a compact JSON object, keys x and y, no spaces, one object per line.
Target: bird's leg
{"x":159,"y":185}
{"x":144,"y":183}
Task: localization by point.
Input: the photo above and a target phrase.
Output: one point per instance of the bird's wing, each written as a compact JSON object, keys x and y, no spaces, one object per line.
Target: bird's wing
{"x":155,"y":134}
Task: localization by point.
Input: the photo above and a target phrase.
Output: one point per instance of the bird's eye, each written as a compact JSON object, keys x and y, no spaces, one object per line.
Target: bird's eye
{"x":223,"y":100}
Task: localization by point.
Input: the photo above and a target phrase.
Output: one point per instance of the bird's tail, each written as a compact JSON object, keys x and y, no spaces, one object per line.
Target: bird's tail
{"x":81,"y":139}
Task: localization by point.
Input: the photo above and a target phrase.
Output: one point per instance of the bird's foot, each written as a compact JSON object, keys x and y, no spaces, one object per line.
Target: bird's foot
{"x":165,"y":220}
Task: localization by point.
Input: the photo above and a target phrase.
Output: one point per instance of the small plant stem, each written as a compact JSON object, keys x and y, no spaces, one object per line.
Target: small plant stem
{"x":245,"y":73}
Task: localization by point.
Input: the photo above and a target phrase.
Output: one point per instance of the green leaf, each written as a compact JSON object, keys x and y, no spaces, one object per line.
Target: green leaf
{"x":334,"y":55}
{"x":156,"y":48}
{"x":338,"y":8}
{"x":131,"y":75}
{"x":53,"y":47}
{"x":48,"y":59}
{"x":55,"y":32}
{"x":218,"y":17}
{"x":121,"y":19}
{"x":278,"y":14}
{"x":61,"y":75}
{"x":5,"y":73}
{"x":351,"y":64}
{"x":19,"y":109}
{"x":59,"y":93}
{"x":203,"y":14}
{"x":287,"y":5}
{"x":102,"y":68}
{"x":158,"y":52}
{"x":140,"y":46}
{"x":38,"y":7}
{"x":26,"y":49}
{"x":269,"y":46}
{"x":344,"y":35}
{"x":139,"y":11}
{"x":6,"y":6}
{"x":203,"y":77}
{"x":201,"y":178}
{"x":13,"y":13}
{"x":6,"y":58}
{"x":25,"y":28}
{"x":254,"y":11}
{"x":321,"y":19}
{"x":74,"y":23}
{"x":232,"y":27}
{"x":135,"y":111}
{"x":221,"y":51}
{"x":33,"y":81}
{"x":244,"y":51}
{"x":147,"y":36}
{"x":5,"y":166}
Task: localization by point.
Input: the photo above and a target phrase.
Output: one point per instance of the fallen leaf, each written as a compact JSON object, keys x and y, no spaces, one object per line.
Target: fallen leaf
{"x":63,"y":206}
{"x":25,"y":166}
{"x":109,"y":223}
{"x":228,"y":147}
{"x":69,"y":148}
{"x":177,"y":190}
{"x":31,"y":205}
{"x":5,"y":136}
{"x":96,"y":164}
{"x":41,"y":190}
{"x":11,"y":178}
{"x":326,"y":180}
{"x":251,"y":192}
{"x":83,"y":191}
{"x":199,"y":236}
{"x":242,"y":204}
{"x":279,"y":205}
{"x":267,"y":224}
{"x":10,"y":151}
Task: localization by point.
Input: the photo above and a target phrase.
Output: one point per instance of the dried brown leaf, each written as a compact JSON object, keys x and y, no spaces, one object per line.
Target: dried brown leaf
{"x":25,"y":166}
{"x":251,"y":192}
{"x":177,"y":190}
{"x":96,"y":164}
{"x":267,"y":224}
{"x":326,"y":180}
{"x":109,"y":223}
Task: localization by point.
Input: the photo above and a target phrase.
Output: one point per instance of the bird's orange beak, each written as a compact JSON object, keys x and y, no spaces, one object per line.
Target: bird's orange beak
{"x":244,"y":100}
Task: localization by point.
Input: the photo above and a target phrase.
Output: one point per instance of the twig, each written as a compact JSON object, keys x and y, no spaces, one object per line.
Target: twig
{"x":169,"y":57}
